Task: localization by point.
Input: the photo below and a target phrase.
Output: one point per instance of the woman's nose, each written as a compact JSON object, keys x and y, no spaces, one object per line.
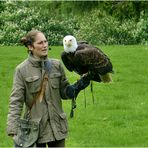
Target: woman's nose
{"x":45,"y":44}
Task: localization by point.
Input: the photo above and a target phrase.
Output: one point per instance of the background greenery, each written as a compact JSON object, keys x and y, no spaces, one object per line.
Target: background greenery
{"x":99,"y":22}
{"x":119,"y":116}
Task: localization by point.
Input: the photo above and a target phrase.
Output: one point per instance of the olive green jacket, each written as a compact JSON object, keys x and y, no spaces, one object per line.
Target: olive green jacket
{"x":26,"y":84}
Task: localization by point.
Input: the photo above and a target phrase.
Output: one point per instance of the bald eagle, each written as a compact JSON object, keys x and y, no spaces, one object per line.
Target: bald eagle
{"x":84,"y":58}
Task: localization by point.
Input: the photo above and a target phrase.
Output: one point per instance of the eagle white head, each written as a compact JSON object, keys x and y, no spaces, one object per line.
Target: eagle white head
{"x":70,"y":43}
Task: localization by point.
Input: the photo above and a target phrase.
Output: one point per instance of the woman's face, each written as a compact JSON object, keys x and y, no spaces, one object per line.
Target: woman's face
{"x":40,"y":46}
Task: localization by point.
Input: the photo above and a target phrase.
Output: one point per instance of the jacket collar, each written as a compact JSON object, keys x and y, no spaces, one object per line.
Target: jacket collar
{"x":37,"y":62}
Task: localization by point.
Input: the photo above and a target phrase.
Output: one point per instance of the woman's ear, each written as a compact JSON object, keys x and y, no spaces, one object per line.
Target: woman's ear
{"x":30,"y":47}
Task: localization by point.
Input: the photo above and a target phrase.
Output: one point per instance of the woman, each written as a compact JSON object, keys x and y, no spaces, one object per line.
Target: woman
{"x":27,"y":84}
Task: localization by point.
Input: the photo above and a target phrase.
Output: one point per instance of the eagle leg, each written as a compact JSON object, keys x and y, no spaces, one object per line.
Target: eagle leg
{"x":73,"y":107}
{"x":84,"y":99}
{"x":91,"y":88}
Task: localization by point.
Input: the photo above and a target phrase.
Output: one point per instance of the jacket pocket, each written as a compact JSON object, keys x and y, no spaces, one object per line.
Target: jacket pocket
{"x":55,"y":80}
{"x":33,"y":83}
{"x":61,"y":123}
{"x":64,"y":125}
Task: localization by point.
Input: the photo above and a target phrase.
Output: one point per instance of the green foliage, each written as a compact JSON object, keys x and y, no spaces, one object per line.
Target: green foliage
{"x":98,"y":22}
{"x":141,"y":33}
{"x":119,"y":115}
{"x":18,"y":19}
{"x":107,"y":29}
{"x":57,"y":29}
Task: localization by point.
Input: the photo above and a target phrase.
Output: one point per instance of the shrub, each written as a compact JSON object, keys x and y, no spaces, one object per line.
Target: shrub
{"x":105,"y":29}
{"x":96,"y":27}
{"x":18,"y":20}
{"x":141,"y":30}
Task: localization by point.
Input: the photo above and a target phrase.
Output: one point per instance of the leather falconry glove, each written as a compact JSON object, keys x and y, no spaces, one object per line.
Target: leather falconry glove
{"x":73,"y":90}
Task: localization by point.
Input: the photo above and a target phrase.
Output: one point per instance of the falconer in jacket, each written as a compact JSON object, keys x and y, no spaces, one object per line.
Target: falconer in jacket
{"x":27,"y":84}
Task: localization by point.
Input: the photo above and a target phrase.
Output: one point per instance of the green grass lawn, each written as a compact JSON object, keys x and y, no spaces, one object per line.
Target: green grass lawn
{"x":119,"y":116}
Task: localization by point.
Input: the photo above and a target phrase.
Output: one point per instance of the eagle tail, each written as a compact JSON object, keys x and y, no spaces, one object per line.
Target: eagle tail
{"x":106,"y":78}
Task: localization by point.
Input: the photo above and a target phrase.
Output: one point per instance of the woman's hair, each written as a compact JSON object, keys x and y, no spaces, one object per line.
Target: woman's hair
{"x":30,"y":37}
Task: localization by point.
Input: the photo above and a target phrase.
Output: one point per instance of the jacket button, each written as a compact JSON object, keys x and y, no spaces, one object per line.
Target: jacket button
{"x":35,"y":129}
{"x":26,"y":132}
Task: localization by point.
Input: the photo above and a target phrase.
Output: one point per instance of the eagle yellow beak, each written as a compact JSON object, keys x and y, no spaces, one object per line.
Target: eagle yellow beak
{"x":68,"y":44}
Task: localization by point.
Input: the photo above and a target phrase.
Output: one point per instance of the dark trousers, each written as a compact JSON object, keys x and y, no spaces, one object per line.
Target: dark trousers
{"x":57,"y":143}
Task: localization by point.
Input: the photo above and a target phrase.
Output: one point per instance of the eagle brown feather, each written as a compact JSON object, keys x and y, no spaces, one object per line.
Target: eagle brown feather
{"x":88,"y":59}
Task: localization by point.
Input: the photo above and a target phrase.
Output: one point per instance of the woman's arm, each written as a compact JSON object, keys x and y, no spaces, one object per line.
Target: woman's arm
{"x":16,"y":103}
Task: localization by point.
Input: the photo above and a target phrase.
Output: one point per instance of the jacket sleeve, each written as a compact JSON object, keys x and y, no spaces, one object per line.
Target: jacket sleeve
{"x":70,"y":91}
{"x":63,"y":84}
{"x":16,"y":103}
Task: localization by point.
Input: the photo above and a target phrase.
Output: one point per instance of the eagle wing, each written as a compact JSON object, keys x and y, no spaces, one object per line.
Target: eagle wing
{"x":93,"y":58}
{"x":67,"y":60}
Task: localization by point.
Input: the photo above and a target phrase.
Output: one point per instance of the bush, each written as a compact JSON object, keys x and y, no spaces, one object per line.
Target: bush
{"x":17,"y":21}
{"x":141,"y":30}
{"x":105,"y":29}
{"x":96,"y":27}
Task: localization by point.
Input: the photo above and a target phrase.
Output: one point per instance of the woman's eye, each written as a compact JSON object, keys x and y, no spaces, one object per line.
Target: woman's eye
{"x":40,"y":43}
